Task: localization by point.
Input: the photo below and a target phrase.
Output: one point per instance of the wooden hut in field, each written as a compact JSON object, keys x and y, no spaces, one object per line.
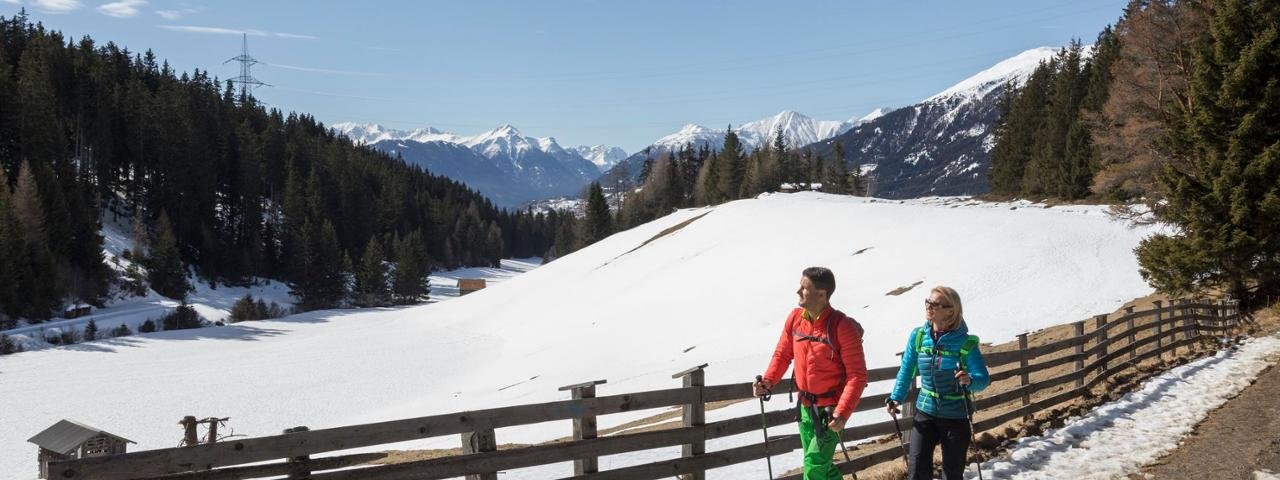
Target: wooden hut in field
{"x":69,"y":440}
{"x":468,"y":285}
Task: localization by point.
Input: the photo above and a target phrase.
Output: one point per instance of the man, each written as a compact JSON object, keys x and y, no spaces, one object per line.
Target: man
{"x":830,"y":371}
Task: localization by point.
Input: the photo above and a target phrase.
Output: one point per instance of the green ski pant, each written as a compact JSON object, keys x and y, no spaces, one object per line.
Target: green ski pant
{"x":818,"y":452}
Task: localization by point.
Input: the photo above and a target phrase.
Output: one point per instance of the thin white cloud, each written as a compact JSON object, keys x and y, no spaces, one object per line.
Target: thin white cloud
{"x":294,"y":35}
{"x":56,"y":6}
{"x":213,"y":30}
{"x":234,"y":31}
{"x":177,"y":14}
{"x":122,"y":8}
{"x":325,"y":70}
{"x":12,"y":2}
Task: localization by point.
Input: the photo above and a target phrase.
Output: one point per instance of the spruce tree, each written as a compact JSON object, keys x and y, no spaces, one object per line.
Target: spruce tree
{"x":409,"y":283}
{"x":323,"y":283}
{"x":1223,"y":195}
{"x":785,"y":170}
{"x":91,"y":331}
{"x":836,"y":177}
{"x":11,"y":292}
{"x":371,"y":278}
{"x":165,"y":270}
{"x":598,"y":223}
{"x":732,"y":167}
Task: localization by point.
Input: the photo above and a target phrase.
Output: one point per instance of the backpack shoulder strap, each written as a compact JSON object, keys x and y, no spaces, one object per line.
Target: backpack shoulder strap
{"x":833,"y":330}
{"x":968,"y":346}
{"x":918,"y":341}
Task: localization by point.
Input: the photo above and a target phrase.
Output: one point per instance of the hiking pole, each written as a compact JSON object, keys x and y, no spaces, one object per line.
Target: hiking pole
{"x":901,"y":444}
{"x":765,"y":425}
{"x":968,"y":408}
{"x":840,"y":435}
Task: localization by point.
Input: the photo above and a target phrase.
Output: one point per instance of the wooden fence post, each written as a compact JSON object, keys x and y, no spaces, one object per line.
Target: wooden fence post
{"x":1022,"y":365}
{"x":584,"y":427}
{"x":1128,"y":312}
{"x":299,"y":467}
{"x":189,"y":437}
{"x":695,"y":415}
{"x":1159,"y":330}
{"x":481,"y":440}
{"x":1187,"y":311}
{"x":1099,"y":323}
{"x":1079,"y":352}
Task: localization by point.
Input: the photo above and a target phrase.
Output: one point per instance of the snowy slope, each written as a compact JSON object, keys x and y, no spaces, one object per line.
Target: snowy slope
{"x":625,"y":310}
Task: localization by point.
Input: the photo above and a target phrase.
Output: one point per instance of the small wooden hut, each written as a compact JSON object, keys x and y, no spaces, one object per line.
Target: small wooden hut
{"x":468,"y":285}
{"x":69,"y":440}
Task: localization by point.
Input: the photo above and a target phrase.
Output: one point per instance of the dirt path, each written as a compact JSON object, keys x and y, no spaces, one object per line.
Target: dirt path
{"x":1234,"y":441}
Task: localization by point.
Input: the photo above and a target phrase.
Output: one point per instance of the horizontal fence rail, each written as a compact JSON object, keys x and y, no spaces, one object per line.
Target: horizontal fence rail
{"x":1111,"y":347}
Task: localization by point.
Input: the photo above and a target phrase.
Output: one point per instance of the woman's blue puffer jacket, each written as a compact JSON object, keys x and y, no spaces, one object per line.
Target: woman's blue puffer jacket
{"x":940,"y":395}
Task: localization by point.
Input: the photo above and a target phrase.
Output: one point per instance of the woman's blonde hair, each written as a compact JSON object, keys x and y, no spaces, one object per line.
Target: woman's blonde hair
{"x":949,"y":294}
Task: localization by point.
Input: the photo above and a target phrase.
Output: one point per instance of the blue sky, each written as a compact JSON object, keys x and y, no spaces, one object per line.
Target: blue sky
{"x":586,"y":72}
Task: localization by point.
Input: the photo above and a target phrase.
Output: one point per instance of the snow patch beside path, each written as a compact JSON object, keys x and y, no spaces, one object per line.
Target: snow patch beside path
{"x":1120,"y":437}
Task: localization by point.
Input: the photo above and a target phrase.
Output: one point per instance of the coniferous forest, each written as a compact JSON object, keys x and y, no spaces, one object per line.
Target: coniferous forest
{"x":1177,"y":110}
{"x":217,"y":184}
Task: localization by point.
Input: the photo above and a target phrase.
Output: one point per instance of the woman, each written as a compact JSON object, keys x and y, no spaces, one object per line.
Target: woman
{"x":948,"y":361}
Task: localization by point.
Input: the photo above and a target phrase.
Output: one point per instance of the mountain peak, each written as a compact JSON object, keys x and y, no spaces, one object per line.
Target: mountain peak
{"x":790,"y":116}
{"x":1016,"y":68}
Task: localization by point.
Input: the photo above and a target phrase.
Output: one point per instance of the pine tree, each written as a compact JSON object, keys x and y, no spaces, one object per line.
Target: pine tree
{"x":836,"y":177}
{"x":1023,"y":116}
{"x":91,"y":331}
{"x":39,"y":130}
{"x":1224,"y":195}
{"x":121,"y":331}
{"x":409,"y":283}
{"x":731,"y":165}
{"x":785,"y":170}
{"x":11,"y":292}
{"x":165,"y":270}
{"x":598,"y":223}
{"x":371,"y":278}
{"x":322,"y":283}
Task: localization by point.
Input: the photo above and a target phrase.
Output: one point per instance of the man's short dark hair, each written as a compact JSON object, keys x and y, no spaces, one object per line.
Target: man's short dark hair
{"x":821,"y":278}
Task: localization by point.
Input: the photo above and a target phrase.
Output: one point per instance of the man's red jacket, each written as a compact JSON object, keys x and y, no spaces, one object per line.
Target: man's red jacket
{"x":836,"y":381}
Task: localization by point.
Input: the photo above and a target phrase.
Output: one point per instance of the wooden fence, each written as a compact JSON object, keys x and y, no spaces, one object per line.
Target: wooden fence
{"x":1110,"y":346}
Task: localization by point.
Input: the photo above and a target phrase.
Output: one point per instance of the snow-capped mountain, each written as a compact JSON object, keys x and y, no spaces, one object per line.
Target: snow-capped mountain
{"x":797,"y":130}
{"x":371,"y":133}
{"x":603,"y":156}
{"x":941,"y":145}
{"x":877,"y":113}
{"x":503,"y":164}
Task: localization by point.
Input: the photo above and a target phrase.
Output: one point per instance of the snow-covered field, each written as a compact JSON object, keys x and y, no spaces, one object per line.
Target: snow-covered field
{"x":634,"y":309}
{"x":213,"y":303}
{"x":1120,"y":437}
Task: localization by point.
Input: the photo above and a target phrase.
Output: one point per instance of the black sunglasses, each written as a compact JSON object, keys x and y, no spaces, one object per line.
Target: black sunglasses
{"x":932,"y":304}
